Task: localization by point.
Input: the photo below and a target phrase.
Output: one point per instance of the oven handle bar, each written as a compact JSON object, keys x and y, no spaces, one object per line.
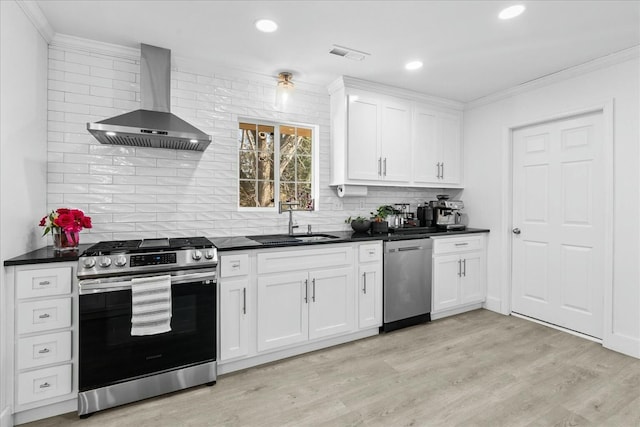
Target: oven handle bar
{"x":110,"y":285}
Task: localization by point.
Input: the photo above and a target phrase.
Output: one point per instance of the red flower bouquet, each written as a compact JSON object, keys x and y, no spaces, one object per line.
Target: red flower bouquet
{"x":65,"y":225}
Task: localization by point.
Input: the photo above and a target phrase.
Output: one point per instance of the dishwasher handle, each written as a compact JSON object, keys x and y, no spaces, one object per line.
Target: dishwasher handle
{"x":411,"y":248}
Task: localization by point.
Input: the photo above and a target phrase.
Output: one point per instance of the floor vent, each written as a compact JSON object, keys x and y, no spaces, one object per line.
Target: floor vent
{"x":347,"y":52}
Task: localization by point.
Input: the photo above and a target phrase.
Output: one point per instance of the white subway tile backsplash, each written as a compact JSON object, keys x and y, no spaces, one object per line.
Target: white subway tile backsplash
{"x":145,"y":192}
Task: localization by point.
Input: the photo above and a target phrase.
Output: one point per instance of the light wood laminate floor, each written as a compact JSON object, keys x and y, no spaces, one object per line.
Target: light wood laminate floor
{"x":475,"y":369}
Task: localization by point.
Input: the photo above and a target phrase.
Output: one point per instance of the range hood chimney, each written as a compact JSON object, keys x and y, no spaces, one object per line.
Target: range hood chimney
{"x":153,"y":125}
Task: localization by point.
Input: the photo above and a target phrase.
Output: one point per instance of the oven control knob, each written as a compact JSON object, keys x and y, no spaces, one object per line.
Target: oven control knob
{"x":104,"y":262}
{"x":196,"y":255}
{"x":209,"y":254}
{"x":121,"y":260}
{"x":89,"y":263}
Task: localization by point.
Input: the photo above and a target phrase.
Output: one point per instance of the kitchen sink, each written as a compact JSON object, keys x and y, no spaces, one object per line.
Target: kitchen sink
{"x":285,"y":239}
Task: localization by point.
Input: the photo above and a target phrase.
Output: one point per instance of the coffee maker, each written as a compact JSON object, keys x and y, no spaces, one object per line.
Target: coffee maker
{"x":446,"y":213}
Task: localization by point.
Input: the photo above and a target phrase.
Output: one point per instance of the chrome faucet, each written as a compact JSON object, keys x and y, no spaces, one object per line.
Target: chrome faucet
{"x":280,"y":210}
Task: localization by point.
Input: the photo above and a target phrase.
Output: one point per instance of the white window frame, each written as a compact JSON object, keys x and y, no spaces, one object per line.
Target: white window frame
{"x":315,"y":161}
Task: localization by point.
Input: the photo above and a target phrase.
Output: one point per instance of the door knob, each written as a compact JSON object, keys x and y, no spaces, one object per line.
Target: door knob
{"x":516,"y":231}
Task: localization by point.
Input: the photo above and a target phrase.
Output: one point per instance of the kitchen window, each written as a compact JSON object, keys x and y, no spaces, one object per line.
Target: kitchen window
{"x":276,"y":162}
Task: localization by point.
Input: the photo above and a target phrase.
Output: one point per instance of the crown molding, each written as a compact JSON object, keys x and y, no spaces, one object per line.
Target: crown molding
{"x":355,"y":83}
{"x":66,"y":41}
{"x":587,"y":67}
{"x":37,"y":18}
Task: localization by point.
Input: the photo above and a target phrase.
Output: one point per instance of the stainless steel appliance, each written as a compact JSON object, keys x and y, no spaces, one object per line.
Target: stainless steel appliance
{"x":153,"y":125}
{"x":446,"y":214}
{"x":407,"y":283}
{"x":116,"y":367}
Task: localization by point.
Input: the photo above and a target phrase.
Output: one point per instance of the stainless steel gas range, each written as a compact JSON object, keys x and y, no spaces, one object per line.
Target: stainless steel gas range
{"x":147,"y":319}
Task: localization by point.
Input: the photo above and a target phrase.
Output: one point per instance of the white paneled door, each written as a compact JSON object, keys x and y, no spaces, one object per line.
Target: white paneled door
{"x":558,"y":223}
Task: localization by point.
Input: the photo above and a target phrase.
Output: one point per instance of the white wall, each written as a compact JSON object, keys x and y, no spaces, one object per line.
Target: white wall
{"x":484,"y":195}
{"x":23,"y":144}
{"x":139,"y":192}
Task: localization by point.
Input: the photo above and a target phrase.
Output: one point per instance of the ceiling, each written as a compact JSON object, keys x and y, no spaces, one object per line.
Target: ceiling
{"x":467,"y":51}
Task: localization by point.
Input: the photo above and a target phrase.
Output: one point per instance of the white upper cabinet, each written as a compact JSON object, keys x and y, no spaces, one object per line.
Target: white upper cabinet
{"x":437,"y":147}
{"x":386,"y":136}
{"x":378,"y":138}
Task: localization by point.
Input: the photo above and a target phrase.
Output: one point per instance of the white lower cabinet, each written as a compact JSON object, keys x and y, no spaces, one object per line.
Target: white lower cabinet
{"x":370,"y":285}
{"x":301,"y":306}
{"x":286,"y":301}
{"x":459,"y":274}
{"x":234,"y":317}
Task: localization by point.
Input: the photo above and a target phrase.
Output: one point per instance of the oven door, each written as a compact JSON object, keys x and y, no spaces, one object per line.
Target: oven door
{"x":109,"y":354}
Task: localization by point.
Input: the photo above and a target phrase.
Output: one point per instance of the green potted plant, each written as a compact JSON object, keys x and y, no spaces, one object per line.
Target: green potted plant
{"x":380,"y":224}
{"x":359,"y":224}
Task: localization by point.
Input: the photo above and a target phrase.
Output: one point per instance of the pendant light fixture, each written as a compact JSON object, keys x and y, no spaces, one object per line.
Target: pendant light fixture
{"x":284,"y":89}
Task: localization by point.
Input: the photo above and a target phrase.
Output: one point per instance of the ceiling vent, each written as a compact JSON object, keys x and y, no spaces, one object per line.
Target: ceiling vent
{"x":347,"y":52}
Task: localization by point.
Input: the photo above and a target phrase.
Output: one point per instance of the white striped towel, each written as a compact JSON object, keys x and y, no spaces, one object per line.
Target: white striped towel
{"x":151,"y":305}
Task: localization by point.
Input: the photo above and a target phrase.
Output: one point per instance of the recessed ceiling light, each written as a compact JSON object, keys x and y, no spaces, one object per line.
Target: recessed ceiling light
{"x":266,"y":25}
{"x":511,"y":11}
{"x":413,"y":65}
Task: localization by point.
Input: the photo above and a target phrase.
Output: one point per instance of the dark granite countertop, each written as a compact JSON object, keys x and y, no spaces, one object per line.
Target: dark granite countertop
{"x":46,"y":255}
{"x":242,"y":242}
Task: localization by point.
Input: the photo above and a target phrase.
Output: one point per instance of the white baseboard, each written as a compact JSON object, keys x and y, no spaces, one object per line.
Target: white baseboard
{"x":622,"y":344}
{"x":46,"y":411}
{"x":6,"y":420}
{"x":494,"y":304}
{"x":227,"y":367}
{"x":454,"y":311}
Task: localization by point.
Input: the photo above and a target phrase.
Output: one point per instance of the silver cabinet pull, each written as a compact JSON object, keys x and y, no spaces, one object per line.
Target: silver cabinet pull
{"x":313,"y":294}
{"x":306,"y":291}
{"x":438,"y":170}
{"x":379,"y":166}
{"x":364,"y":288}
{"x":442,"y":174}
{"x":45,"y":385}
{"x":462,"y":244}
{"x":464,"y":267}
{"x":516,"y":231}
{"x":44,"y":351}
{"x":384,"y":167}
{"x":44,"y":283}
{"x":459,"y":268}
{"x":44,"y":316}
{"x":244,"y":300}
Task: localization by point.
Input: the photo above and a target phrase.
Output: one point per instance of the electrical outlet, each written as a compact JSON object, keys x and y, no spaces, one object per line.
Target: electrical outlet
{"x":361,"y":204}
{"x":337,"y":205}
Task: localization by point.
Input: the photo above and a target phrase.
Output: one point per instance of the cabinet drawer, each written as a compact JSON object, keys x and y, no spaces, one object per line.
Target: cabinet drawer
{"x":44,"y":350}
{"x":234,"y":265}
{"x":37,"y":316}
{"x":44,"y":384}
{"x":370,"y":252}
{"x":458,"y":244}
{"x":305,"y":259}
{"x":43,"y":282}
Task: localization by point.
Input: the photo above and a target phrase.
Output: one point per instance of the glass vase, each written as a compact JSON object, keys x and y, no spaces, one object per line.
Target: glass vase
{"x":65,"y":240}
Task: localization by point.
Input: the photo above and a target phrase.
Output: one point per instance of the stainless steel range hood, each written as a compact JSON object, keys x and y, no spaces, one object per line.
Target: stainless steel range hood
{"x":153,"y":125}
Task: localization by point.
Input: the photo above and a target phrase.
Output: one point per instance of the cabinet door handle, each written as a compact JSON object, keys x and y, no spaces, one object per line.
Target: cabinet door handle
{"x":384,"y":167}
{"x":459,"y":268}
{"x":44,"y":316}
{"x":442,"y":174}
{"x":313,"y":294}
{"x":44,"y":351}
{"x":45,"y":385}
{"x":244,"y":300}
{"x":44,"y":283}
{"x":364,"y":288}
{"x":379,"y":166}
{"x":438,"y":170}
{"x":464,"y":267}
{"x":306,"y":291}
{"x":462,"y":244}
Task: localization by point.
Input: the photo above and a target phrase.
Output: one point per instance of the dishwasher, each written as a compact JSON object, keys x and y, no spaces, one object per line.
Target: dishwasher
{"x":407,"y":283}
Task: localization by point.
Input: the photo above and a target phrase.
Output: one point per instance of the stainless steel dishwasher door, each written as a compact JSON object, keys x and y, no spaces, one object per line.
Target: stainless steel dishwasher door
{"x":407,"y":282}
